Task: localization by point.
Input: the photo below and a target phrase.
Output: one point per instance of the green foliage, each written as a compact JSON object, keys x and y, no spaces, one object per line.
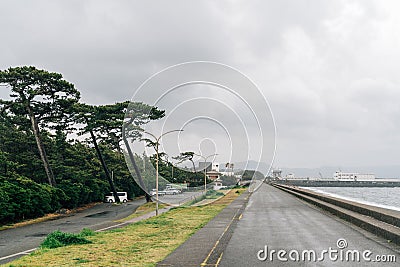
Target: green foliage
{"x":48,"y":95}
{"x":228,"y":180}
{"x":184,"y":156}
{"x":18,"y":152}
{"x":24,"y":193}
{"x":249,"y":174}
{"x":211,"y":194}
{"x":22,"y":198}
{"x":87,"y":232}
{"x":5,"y":211}
{"x":195,"y":200}
{"x":42,"y":105}
{"x":41,"y":97}
{"x":180,"y":175}
{"x":59,"y":239}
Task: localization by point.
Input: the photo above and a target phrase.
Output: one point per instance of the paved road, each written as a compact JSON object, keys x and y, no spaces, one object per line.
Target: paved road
{"x":280,"y":221}
{"x":28,"y":237}
{"x":179,"y":199}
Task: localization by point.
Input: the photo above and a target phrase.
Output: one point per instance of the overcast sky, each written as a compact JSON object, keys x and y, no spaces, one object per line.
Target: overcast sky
{"x":329,"y":69}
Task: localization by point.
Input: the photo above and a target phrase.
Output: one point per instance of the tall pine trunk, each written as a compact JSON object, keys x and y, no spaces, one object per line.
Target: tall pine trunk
{"x":194,"y":166}
{"x":137,"y":171}
{"x":42,"y":151}
{"x":103,"y":164}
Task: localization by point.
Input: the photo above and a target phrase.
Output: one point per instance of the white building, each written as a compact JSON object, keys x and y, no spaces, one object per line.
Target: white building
{"x":227,"y":173}
{"x":215,"y":166}
{"x":352,"y":176}
{"x":209,"y":166}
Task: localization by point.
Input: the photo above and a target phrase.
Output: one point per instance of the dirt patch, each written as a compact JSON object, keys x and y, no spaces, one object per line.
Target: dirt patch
{"x":98,"y":215}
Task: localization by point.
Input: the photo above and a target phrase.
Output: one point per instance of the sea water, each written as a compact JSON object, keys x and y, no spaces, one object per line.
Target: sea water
{"x":385,"y":197}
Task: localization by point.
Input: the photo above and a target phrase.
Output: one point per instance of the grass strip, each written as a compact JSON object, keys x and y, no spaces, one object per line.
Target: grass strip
{"x":143,"y":209}
{"x":211,"y":194}
{"x":140,"y":244}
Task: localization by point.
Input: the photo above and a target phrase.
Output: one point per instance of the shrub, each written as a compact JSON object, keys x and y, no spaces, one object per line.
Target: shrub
{"x":213,"y":194}
{"x":59,"y":239}
{"x":228,"y":180}
{"x":4,"y":207}
{"x":72,"y":192}
{"x":87,"y":232}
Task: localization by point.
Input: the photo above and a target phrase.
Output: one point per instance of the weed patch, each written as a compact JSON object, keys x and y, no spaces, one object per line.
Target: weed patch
{"x":60,"y":239}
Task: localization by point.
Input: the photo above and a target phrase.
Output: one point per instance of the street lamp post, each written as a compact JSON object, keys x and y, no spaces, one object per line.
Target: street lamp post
{"x":155,"y":146}
{"x":205,"y":169}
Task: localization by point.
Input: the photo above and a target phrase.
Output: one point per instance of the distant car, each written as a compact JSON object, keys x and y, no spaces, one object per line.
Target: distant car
{"x":172,"y":191}
{"x":123,"y":197}
{"x":153,"y":192}
{"x":169,"y":187}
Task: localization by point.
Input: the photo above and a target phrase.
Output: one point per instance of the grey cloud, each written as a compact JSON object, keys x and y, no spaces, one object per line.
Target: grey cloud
{"x":328,"y":68}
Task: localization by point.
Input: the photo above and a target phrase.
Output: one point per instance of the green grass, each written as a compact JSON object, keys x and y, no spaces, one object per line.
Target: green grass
{"x":60,"y":239}
{"x":140,"y":244}
{"x":143,"y":209}
{"x":194,"y":201}
{"x":211,"y":194}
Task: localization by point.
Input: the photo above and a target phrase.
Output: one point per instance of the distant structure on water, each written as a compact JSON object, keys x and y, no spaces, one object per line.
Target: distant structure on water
{"x":352,"y":176}
{"x":339,"y":179}
{"x":290,"y":176}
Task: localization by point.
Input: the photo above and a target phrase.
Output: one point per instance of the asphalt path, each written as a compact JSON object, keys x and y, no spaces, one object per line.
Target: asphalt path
{"x":179,"y":199}
{"x":26,"y":238}
{"x":204,"y":248}
{"x":275,"y":220}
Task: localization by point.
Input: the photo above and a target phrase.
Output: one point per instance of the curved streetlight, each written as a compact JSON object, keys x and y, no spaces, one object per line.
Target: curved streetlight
{"x":155,"y":145}
{"x":205,"y":168}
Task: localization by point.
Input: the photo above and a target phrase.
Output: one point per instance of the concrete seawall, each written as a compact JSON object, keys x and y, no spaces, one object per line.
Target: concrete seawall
{"x":380,"y":221}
